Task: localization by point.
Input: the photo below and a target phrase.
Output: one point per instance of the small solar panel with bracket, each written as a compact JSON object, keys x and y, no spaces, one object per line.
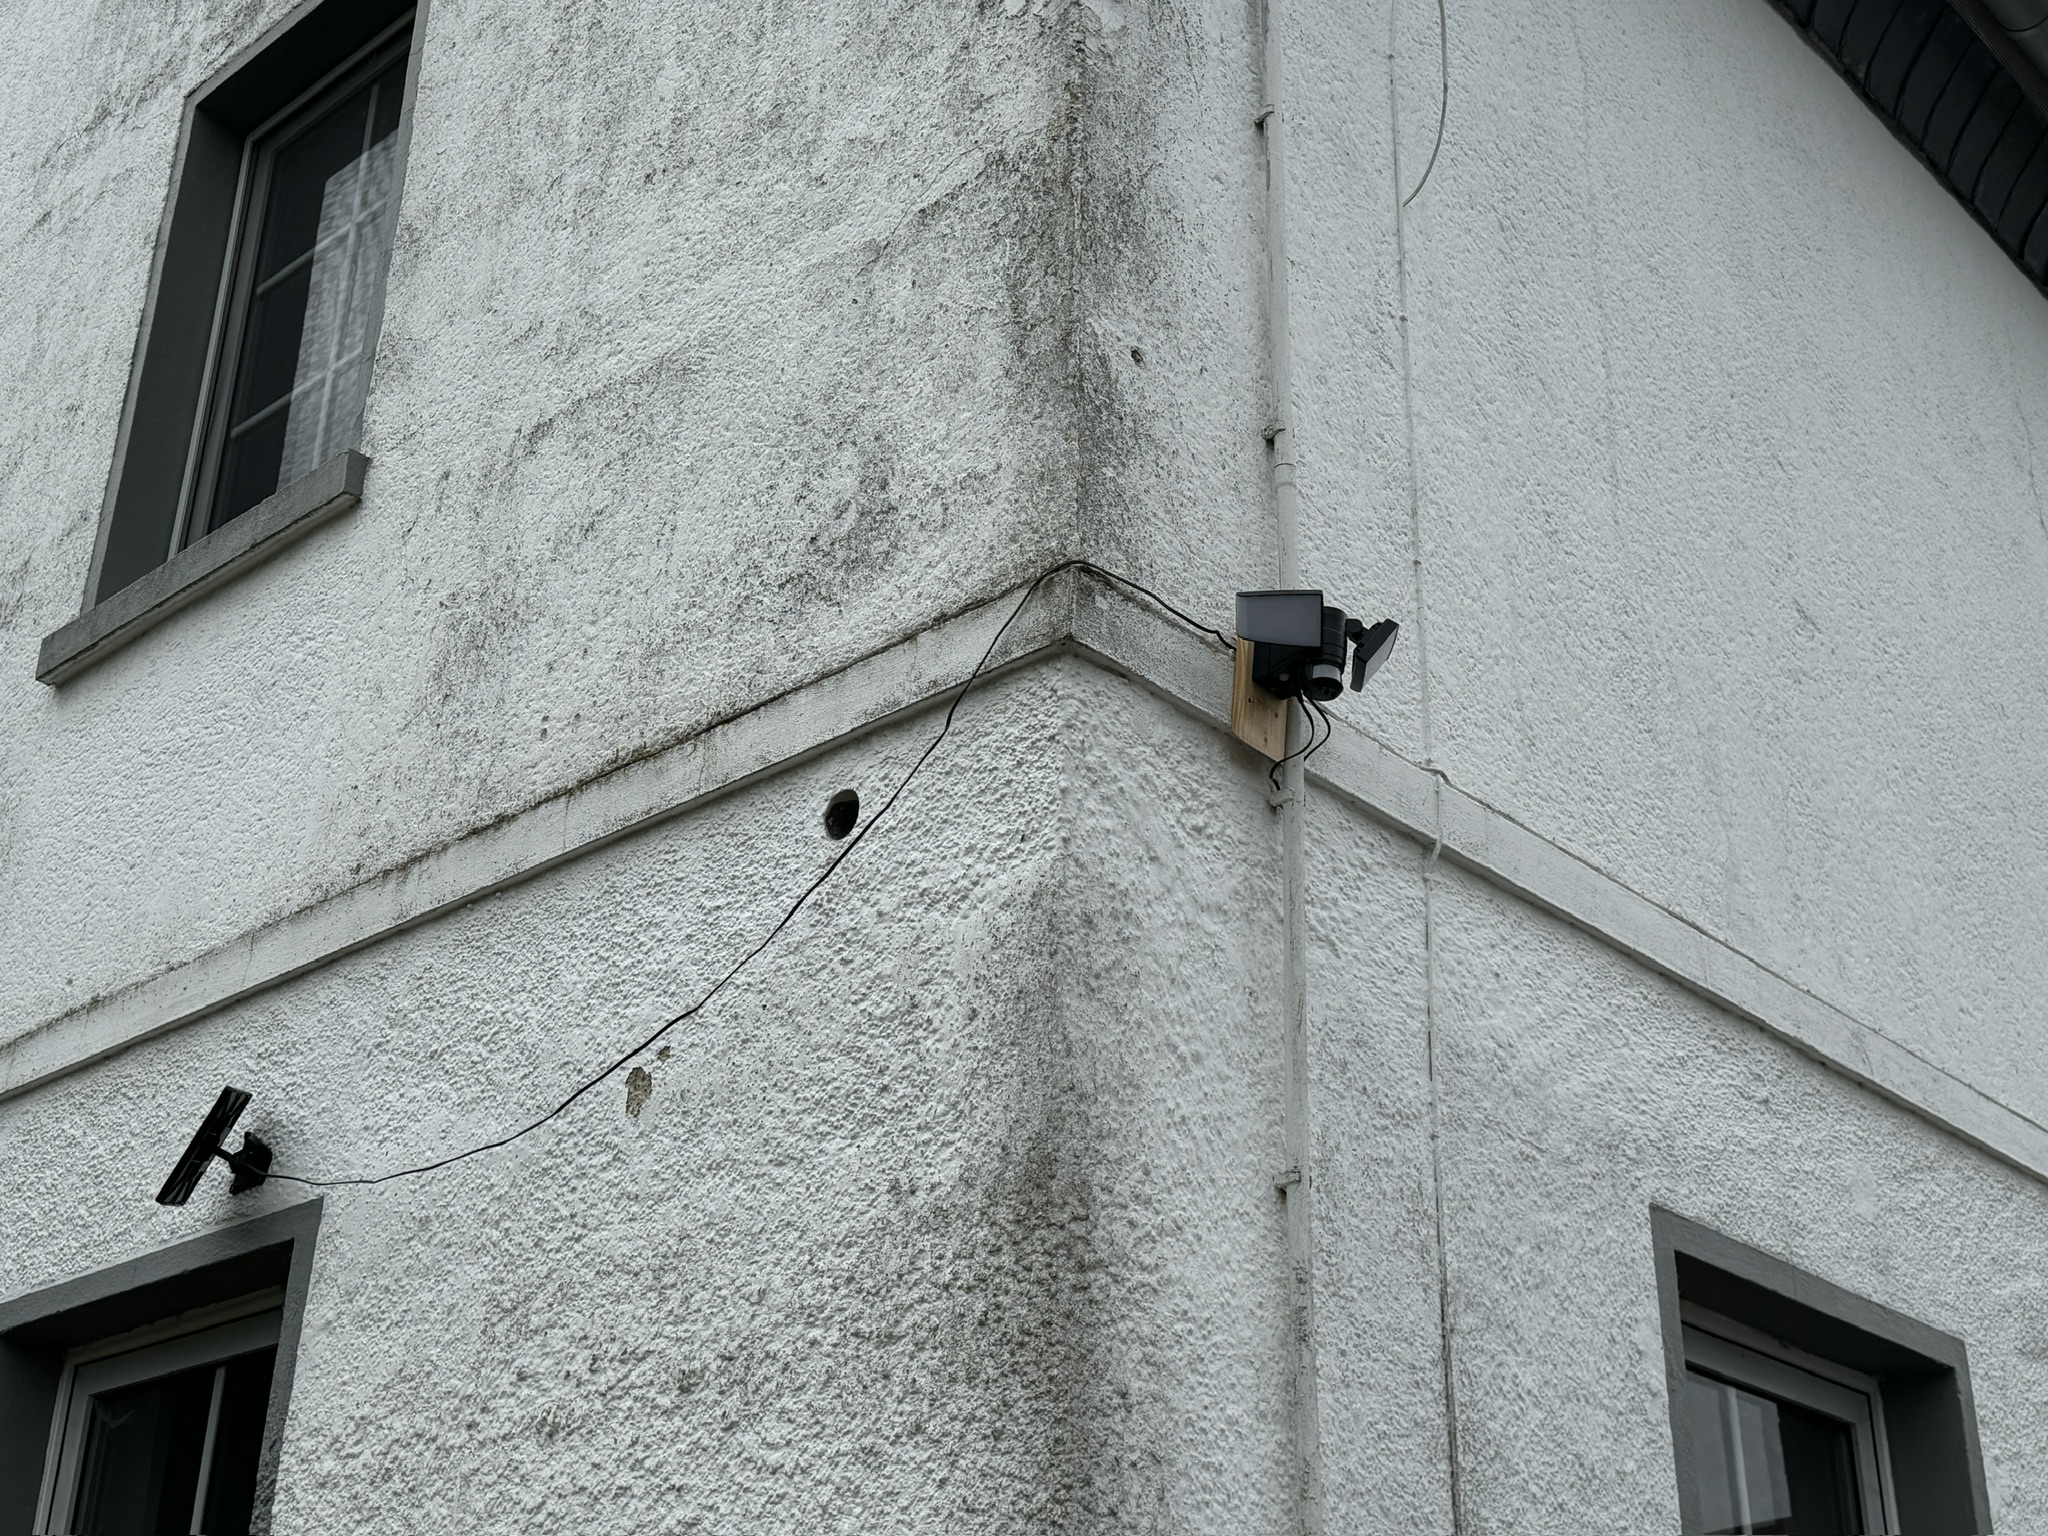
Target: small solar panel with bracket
{"x":250,"y":1164}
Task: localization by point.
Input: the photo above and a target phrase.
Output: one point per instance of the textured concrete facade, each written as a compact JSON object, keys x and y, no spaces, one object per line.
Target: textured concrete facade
{"x":737,"y":372}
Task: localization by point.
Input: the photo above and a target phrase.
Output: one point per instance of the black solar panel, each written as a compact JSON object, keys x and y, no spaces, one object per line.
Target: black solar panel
{"x":204,"y":1145}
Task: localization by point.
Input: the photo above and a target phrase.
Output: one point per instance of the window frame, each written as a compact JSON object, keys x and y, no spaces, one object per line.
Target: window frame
{"x":210,"y":426}
{"x":1917,"y":1378}
{"x":1745,"y":1357}
{"x":48,"y":1334}
{"x":213,"y":1336}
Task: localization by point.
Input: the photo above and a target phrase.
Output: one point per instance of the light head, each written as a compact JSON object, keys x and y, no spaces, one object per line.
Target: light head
{"x":1298,"y":644}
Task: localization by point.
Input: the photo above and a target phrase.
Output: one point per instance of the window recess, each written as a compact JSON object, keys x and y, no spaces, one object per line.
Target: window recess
{"x":1782,"y":1442}
{"x":164,"y":1435}
{"x":1799,"y":1407}
{"x":151,"y":1396}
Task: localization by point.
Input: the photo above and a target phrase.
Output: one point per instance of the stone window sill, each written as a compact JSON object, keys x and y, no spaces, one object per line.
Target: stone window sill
{"x":273,"y":523}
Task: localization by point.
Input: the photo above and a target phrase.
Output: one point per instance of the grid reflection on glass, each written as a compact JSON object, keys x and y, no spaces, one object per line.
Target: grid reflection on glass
{"x":323,"y":239}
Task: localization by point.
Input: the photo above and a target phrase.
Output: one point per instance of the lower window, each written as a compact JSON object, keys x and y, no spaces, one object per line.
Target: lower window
{"x":1800,"y":1407}
{"x":1781,"y":1442}
{"x":164,"y":1435}
{"x":150,"y":1396}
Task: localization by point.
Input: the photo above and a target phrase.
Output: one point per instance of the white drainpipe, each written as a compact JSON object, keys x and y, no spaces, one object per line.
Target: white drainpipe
{"x":1292,"y":804}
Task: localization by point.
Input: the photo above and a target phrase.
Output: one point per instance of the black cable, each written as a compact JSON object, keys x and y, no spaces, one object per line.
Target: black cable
{"x":1329,"y":730}
{"x":789,"y":914}
{"x":1302,"y":751}
{"x":1273,"y":773}
{"x":1443,"y":110}
{"x":1309,"y":751}
{"x":1226,"y":641}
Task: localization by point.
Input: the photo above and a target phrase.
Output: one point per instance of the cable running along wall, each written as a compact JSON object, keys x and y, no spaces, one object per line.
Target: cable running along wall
{"x":789,"y":914}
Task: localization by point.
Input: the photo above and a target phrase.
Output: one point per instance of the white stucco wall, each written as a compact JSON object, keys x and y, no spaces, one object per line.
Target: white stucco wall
{"x":1578,"y":1094}
{"x":1727,"y":531}
{"x":716,"y":353}
{"x":724,"y":350}
{"x":1575,"y":1092}
{"x":955,"y":1214}
{"x":1730,"y":532}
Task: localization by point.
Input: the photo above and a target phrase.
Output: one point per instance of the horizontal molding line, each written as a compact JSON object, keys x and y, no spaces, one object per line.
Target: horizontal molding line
{"x":917,"y":674}
{"x":902,"y":680}
{"x":1474,"y":836}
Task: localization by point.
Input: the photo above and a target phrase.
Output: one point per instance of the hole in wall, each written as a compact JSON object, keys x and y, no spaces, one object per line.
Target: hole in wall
{"x":1138,"y":356}
{"x":842,"y":811}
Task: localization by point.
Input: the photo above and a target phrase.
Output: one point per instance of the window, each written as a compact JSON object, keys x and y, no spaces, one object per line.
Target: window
{"x":245,"y":405}
{"x":150,"y":1397}
{"x":1781,"y":1442}
{"x":1802,"y":1408}
{"x":164,"y":1433}
{"x":307,"y":281}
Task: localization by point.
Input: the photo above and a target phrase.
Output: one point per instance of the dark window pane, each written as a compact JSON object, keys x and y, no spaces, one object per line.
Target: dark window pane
{"x":143,"y":1444}
{"x":248,"y":468}
{"x":238,"y":1444}
{"x":1767,"y":1466}
{"x":1820,"y":1474}
{"x":295,"y":396}
{"x":270,"y":356}
{"x":390,"y":97}
{"x":299,"y":172}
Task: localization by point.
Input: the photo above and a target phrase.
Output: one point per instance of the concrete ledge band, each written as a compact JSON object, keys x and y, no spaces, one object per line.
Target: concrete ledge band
{"x":272,"y":524}
{"x":1127,"y":637}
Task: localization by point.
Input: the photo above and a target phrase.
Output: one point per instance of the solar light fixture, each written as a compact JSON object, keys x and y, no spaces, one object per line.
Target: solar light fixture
{"x":1298,"y":644}
{"x":250,"y":1164}
{"x":1371,"y":646}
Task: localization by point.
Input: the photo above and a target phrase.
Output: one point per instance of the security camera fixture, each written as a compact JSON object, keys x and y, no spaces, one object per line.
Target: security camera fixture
{"x":249,"y":1165}
{"x":1298,"y":644}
